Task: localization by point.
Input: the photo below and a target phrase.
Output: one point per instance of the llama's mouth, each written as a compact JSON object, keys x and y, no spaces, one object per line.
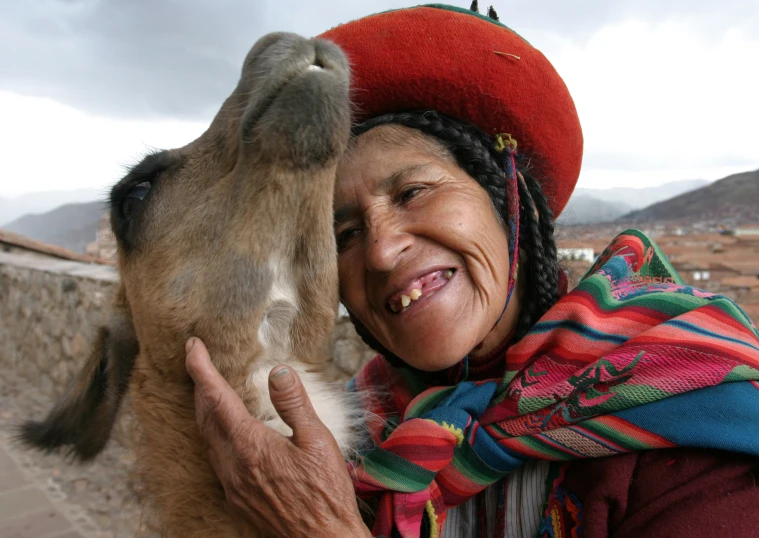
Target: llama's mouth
{"x":315,"y":65}
{"x":419,"y":289}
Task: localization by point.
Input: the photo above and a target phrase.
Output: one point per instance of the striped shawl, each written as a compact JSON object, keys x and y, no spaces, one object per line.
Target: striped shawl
{"x":632,"y":359}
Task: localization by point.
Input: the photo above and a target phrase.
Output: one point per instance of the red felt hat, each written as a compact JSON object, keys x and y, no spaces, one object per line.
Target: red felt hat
{"x":473,"y":68}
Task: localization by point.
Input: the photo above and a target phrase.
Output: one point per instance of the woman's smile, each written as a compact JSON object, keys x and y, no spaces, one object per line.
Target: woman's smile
{"x":423,"y":257}
{"x":418,"y":290}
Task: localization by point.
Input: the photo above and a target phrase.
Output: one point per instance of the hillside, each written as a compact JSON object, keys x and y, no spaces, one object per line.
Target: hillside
{"x":734,"y":198}
{"x":638,"y":198}
{"x":71,"y":226}
{"x":584,"y":209}
{"x":40,"y":202}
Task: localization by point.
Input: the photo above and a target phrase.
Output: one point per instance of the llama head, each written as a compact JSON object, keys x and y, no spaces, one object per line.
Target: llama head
{"x":215,"y":239}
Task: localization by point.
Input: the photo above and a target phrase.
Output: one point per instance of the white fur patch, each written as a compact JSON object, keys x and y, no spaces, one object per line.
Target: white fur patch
{"x":282,"y":307}
{"x":339,"y":411}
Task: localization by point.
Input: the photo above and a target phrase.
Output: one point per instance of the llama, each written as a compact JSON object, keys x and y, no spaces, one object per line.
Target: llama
{"x":229,"y":238}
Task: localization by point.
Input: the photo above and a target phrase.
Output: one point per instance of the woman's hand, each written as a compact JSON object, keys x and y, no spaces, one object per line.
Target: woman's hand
{"x":287,"y":486}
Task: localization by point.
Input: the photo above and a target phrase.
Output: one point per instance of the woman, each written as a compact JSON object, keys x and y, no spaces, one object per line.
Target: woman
{"x":628,"y":407}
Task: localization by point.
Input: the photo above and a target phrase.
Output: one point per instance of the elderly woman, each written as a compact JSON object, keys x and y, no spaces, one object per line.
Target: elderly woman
{"x":627,"y":408}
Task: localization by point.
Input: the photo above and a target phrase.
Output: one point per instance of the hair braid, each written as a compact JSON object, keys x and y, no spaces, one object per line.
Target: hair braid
{"x":475,"y":153}
{"x":548,"y":239}
{"x":536,"y":240}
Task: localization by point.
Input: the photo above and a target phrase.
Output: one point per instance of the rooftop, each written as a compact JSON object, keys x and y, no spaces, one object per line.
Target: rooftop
{"x":26,"y":243}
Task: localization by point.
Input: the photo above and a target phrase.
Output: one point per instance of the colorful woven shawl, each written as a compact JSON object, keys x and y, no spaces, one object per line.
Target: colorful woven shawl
{"x":632,"y":359}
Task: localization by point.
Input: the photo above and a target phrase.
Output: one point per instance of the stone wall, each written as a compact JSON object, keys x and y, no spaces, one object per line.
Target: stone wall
{"x":50,"y":309}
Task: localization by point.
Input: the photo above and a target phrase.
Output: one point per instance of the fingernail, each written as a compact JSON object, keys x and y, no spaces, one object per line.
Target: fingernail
{"x":189,"y":345}
{"x":282,"y":379}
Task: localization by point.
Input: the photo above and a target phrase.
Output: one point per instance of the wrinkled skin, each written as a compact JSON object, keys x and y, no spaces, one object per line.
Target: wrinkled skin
{"x":431,"y":216}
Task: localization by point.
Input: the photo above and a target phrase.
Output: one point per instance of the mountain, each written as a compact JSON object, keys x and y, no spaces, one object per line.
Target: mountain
{"x":583,"y":209}
{"x":71,"y":226}
{"x":638,"y":198}
{"x":735,"y":197}
{"x":40,"y":202}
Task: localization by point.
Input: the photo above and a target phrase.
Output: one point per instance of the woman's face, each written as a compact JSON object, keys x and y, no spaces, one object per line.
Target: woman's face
{"x":414,"y":229}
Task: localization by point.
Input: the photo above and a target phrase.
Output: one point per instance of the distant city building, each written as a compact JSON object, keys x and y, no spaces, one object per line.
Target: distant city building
{"x":694,"y":274}
{"x":104,"y":246}
{"x":576,"y":254}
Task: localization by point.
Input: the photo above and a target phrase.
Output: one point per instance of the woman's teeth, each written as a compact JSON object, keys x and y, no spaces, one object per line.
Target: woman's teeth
{"x":414,"y":295}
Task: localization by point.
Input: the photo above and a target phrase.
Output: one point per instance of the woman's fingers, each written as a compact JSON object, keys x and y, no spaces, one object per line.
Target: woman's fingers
{"x":299,"y":489}
{"x":220,"y":412}
{"x":294,"y":407}
{"x":218,"y":409}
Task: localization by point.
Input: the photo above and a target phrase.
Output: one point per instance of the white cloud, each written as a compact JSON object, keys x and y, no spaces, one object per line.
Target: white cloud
{"x":49,"y":146}
{"x":658,"y":101}
{"x":662,"y":101}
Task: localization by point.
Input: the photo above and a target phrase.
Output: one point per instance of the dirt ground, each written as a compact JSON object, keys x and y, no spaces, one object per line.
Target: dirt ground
{"x":97,"y":496}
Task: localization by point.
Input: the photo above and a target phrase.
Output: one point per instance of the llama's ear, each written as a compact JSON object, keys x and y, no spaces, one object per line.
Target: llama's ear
{"x":81,"y":422}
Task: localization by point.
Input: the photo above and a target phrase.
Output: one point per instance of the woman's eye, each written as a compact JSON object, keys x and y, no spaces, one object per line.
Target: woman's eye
{"x":134,"y":198}
{"x":345,"y":236}
{"x":408,"y":194}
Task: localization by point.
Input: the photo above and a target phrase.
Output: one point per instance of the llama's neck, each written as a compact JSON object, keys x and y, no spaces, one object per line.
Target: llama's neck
{"x":172,"y":466}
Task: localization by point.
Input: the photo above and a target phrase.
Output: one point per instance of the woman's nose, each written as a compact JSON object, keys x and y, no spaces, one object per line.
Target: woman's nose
{"x":386,"y":243}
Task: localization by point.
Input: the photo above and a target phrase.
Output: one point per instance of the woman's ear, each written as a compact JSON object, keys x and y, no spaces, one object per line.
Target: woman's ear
{"x":83,"y":419}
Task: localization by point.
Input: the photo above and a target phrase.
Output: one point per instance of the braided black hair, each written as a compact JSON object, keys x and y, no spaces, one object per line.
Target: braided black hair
{"x":475,"y":153}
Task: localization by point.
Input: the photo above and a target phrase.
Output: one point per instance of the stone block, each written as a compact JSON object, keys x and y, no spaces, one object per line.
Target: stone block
{"x":45,"y":384}
{"x":69,"y":285}
{"x":347,"y":356}
{"x":66,"y":346}
{"x":99,"y":298}
{"x":56,"y":324}
{"x":79,"y":345}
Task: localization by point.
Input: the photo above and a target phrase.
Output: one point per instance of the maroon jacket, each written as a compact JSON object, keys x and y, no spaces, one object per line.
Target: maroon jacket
{"x":671,"y":493}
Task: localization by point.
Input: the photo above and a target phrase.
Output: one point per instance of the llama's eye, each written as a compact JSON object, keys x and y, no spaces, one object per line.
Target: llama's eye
{"x":134,"y":198}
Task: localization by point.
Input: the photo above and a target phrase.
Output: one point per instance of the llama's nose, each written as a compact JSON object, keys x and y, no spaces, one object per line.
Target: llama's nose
{"x":327,"y":55}
{"x":284,"y":41}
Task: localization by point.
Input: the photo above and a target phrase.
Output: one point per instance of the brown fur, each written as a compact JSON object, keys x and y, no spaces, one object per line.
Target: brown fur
{"x":226,"y":216}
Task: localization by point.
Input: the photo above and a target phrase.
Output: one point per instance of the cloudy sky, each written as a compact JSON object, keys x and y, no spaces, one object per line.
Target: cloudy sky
{"x":666,"y":89}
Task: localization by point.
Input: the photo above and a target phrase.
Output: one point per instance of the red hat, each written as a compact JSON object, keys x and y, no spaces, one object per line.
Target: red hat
{"x":473,"y":68}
